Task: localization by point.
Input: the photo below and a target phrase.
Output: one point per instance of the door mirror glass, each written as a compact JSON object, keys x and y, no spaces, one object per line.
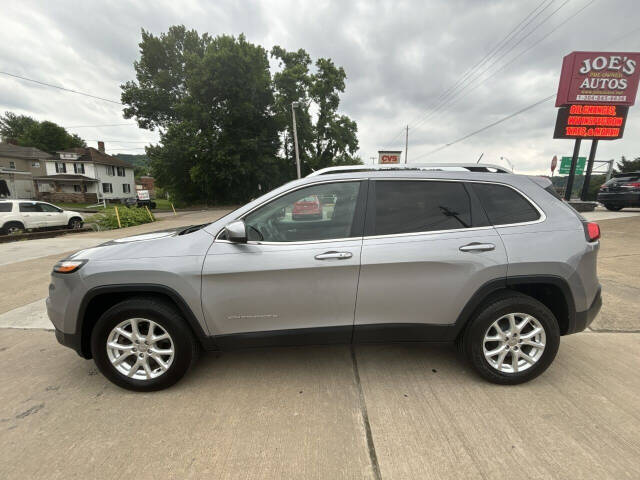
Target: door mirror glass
{"x":236,"y":231}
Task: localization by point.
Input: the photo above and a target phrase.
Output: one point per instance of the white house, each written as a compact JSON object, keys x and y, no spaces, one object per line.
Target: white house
{"x":86,"y":175}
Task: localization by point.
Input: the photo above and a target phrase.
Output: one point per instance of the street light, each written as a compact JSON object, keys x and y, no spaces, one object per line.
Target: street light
{"x":295,"y":105}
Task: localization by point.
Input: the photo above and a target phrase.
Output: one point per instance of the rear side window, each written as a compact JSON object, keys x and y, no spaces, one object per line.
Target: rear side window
{"x":5,"y":206}
{"x":420,"y":206}
{"x":30,"y":207}
{"x":504,"y":205}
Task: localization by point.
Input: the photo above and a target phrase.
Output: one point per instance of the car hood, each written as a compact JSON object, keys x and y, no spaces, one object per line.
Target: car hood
{"x":192,"y":240}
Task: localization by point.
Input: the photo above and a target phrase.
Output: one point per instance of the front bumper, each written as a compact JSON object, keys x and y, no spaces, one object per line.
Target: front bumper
{"x":621,"y":199}
{"x":71,"y":340}
{"x":584,"y":319}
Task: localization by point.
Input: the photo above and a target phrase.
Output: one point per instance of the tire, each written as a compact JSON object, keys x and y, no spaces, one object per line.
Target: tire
{"x":474,"y":346}
{"x":75,"y":223}
{"x":167,"y":320}
{"x":613,"y":208}
{"x":12,"y":227}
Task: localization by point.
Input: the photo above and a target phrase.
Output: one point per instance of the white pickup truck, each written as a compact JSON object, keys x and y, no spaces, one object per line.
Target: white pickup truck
{"x":19,"y":215}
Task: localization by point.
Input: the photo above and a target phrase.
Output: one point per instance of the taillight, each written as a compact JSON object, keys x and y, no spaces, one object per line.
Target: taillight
{"x":632,"y":185}
{"x":592,"y":231}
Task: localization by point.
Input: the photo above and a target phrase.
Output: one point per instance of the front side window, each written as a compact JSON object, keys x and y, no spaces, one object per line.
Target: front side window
{"x":49,"y":208}
{"x":61,"y":167}
{"x":319,"y":212}
{"x":404,"y":206}
{"x":107,"y":188}
{"x":504,"y":205}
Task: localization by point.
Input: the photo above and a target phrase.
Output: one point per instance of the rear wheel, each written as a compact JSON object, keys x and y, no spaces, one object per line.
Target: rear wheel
{"x":143,"y":344}
{"x":513,"y":339}
{"x":12,"y":228}
{"x":613,"y":208}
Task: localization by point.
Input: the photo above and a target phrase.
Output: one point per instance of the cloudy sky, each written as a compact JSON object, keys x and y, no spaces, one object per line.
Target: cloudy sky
{"x":400,"y":58}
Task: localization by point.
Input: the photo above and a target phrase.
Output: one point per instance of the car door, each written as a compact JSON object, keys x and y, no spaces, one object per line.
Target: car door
{"x":427,"y":249}
{"x":32,"y":215}
{"x":54,"y":216}
{"x":295,"y":280}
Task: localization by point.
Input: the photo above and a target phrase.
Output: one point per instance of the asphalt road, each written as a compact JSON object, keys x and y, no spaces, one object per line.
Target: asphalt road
{"x":380,"y":411}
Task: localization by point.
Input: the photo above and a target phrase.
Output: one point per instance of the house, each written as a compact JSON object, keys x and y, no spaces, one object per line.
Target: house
{"x":147,"y":183}
{"x":18,"y":166}
{"x":85,"y":175}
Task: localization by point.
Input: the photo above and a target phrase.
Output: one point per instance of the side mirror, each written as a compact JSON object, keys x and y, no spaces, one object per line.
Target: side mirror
{"x":236,"y":231}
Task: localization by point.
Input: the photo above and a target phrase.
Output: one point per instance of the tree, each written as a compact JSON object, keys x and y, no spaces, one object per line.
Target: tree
{"x":212,"y":100}
{"x":27,"y":132}
{"x":333,"y":138}
{"x":625,"y":165}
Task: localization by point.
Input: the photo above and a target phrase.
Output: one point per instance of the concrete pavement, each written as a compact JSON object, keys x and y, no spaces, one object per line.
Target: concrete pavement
{"x":298,"y":413}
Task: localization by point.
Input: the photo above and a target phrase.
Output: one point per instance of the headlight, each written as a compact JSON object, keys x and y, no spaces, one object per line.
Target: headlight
{"x":68,"y":266}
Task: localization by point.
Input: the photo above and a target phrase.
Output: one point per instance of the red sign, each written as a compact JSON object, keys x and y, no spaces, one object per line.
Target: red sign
{"x":593,"y":78}
{"x":597,"y":122}
{"x":388,"y":157}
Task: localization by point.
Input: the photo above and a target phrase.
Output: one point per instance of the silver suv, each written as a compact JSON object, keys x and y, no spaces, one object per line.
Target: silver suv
{"x":490,"y":260}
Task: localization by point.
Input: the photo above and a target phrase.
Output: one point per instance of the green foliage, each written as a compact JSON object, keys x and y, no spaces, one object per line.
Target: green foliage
{"x":625,"y":165}
{"x":27,"y":132}
{"x":141,"y":163}
{"x":221,"y":115}
{"x":129,"y":217}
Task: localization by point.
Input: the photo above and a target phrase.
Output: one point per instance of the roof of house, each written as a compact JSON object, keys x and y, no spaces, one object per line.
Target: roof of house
{"x":16,"y":151}
{"x":90,"y":154}
{"x":66,"y":176}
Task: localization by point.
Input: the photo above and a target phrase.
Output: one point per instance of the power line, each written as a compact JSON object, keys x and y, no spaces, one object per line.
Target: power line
{"x":459,"y":92}
{"x":514,"y":32}
{"x":61,"y":88}
{"x":117,"y":141}
{"x":487,"y":127}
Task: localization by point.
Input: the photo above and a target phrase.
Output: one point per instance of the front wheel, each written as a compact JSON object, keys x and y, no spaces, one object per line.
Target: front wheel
{"x":512,"y":340}
{"x":143,"y":344}
{"x":75,"y":224}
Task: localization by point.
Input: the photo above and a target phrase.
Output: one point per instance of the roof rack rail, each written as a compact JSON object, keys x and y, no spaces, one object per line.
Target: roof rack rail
{"x":443,"y":167}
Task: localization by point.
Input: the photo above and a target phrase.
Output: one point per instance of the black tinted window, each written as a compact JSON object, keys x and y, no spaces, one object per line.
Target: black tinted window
{"x":5,"y":206}
{"x":420,"y":206}
{"x":30,"y":207}
{"x":504,"y":205}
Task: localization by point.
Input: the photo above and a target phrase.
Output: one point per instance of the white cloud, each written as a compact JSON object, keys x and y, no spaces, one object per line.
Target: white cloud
{"x":399,"y":57}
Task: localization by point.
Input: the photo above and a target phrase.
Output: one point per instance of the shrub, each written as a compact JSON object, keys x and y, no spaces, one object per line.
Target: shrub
{"x":129,"y":217}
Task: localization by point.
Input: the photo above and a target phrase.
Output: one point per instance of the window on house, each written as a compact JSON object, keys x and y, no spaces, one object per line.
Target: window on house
{"x":78,"y":167}
{"x":12,"y":165}
{"x":107,"y":188}
{"x":111,"y":170}
{"x":77,"y":188}
{"x":35,"y":164}
{"x":121,"y":171}
{"x":126,"y":188}
{"x":61,"y":167}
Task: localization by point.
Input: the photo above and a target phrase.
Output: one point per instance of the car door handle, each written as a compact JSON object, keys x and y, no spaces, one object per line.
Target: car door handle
{"x":478,"y":247}
{"x":336,"y":255}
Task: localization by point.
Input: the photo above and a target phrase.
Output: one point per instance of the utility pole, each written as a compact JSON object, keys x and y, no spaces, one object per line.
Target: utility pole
{"x":294,"y":105}
{"x":406,"y":145}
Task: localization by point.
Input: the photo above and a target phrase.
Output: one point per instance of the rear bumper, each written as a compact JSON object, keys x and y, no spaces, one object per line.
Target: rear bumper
{"x":584,"y":319}
{"x":623,"y":199}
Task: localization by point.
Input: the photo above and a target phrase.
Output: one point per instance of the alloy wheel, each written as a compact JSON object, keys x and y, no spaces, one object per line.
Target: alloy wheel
{"x":140,"y":349}
{"x":514,"y":342}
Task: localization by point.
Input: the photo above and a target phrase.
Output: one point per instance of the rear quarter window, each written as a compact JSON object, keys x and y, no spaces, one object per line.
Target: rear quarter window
{"x":6,"y":206}
{"x":504,"y":205}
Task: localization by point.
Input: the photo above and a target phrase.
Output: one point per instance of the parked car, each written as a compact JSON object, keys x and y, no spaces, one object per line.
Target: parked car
{"x":491,"y":261}
{"x":308,"y":208}
{"x":19,"y":215}
{"x":142,"y":199}
{"x":623,"y":190}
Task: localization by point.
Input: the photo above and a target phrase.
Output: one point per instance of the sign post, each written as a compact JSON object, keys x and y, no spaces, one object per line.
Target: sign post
{"x":595,"y":92}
